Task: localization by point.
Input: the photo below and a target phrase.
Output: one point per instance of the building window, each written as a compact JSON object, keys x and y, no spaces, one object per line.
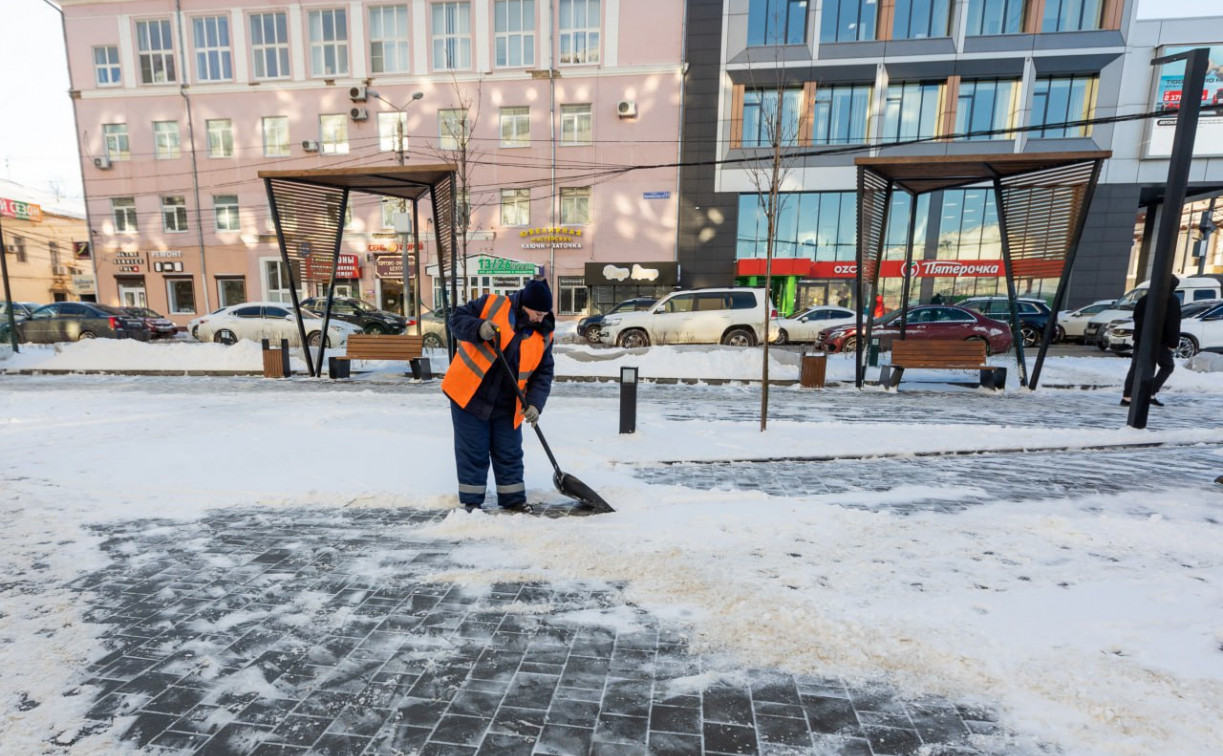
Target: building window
{"x":1058,"y":100}
{"x":451,"y":36}
{"x":232,"y":291}
{"x":181,"y":295}
{"x":575,"y":124}
{"x":572,"y":293}
{"x":155,"y":45}
{"x":515,"y":33}
{"x":220,"y":137}
{"x":213,"y":59}
{"x":848,"y":21}
{"x":329,"y":42}
{"x":761,"y":112}
{"x":575,"y":205}
{"x":115,"y":135}
{"x":392,"y":127}
{"x":968,"y":228}
{"x":276,"y":276}
{"x":270,"y":45}
{"x":106,"y":66}
{"x":225,"y":207}
{"x":987,"y":17}
{"x":453,"y":128}
{"x":276,"y":136}
{"x":333,"y":130}
{"x":515,"y":207}
{"x":166,"y":144}
{"x":388,"y":39}
{"x":911,"y":111}
{"x":174,"y":214}
{"x":53,"y":249}
{"x":515,"y":127}
{"x":123,"y":210}
{"x":840,"y":114}
{"x":1072,"y":15}
{"x":918,"y":19}
{"x":820,"y":226}
{"x":777,"y":22}
{"x":579,"y":28}
{"x":986,"y":105}
{"x":17,"y":249}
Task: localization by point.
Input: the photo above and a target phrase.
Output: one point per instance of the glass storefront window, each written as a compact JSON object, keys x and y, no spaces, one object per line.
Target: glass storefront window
{"x":986,"y":17}
{"x":810,"y":225}
{"x":776,"y":22}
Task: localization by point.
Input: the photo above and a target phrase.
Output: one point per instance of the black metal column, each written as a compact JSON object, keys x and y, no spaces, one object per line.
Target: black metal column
{"x":1016,"y":332}
{"x":8,"y":295}
{"x":907,"y":280}
{"x":335,"y":264}
{"x":284,"y":256}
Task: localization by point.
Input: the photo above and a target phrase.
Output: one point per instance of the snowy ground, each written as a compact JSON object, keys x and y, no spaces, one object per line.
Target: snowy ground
{"x":1090,"y":614}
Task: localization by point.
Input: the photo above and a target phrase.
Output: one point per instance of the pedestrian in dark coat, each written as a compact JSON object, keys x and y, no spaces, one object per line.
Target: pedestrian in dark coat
{"x":484,"y":406}
{"x":1168,"y":341}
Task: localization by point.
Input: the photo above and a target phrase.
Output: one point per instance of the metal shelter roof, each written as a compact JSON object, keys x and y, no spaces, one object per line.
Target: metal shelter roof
{"x":921,"y":174}
{"x":404,"y":181}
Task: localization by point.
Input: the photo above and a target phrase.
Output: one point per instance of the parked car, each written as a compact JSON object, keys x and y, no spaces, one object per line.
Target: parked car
{"x":926,"y":322}
{"x":21,"y":310}
{"x":1034,"y":316}
{"x":1201,"y":328}
{"x":1074,"y":322}
{"x":76,"y":321}
{"x":1196,"y":289}
{"x":588,"y":327}
{"x":805,"y":326}
{"x":268,"y":320}
{"x":156,"y":326}
{"x":363,"y":314}
{"x":734,"y":317}
{"x":433,"y":327}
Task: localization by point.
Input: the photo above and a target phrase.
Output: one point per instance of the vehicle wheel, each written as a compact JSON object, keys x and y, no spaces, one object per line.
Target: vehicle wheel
{"x":1186,"y":348}
{"x":741,"y":337}
{"x":850,"y":345}
{"x":634,"y":339}
{"x":373,"y":329}
{"x":1101,"y":345}
{"x":195,"y":332}
{"x":988,"y":351}
{"x":782,"y":337}
{"x":1030,"y":336}
{"x":591,"y":334}
{"x":86,"y":335}
{"x":226,"y":337}
{"x":432,"y":341}
{"x":1059,"y":334}
{"x":313,"y":339}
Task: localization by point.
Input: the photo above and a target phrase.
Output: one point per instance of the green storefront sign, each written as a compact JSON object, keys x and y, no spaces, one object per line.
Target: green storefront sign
{"x":498,"y":267}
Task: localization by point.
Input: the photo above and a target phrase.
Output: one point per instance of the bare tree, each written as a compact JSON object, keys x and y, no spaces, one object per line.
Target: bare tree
{"x":458,"y":148}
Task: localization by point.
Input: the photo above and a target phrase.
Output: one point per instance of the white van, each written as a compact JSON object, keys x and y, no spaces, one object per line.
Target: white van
{"x":1190,"y":290}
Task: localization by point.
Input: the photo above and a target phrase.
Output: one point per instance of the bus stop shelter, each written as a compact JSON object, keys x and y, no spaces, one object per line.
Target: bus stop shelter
{"x":308,"y":210}
{"x":1041,"y":199}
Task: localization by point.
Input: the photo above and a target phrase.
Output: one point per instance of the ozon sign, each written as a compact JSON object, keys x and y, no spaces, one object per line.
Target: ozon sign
{"x":917,"y":269}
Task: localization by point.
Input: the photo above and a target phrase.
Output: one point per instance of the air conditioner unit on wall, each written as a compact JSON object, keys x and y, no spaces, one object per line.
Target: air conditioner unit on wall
{"x":59,"y":270}
{"x":102,"y":163}
{"x":309,"y":146}
{"x":359,"y":114}
{"x":626,"y":109}
{"x":358,"y":93}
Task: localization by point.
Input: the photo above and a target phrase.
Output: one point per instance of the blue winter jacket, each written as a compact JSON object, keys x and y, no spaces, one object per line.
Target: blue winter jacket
{"x":496,"y":395}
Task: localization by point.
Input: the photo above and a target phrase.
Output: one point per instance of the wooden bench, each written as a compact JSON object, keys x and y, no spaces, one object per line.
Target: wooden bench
{"x":405,"y":347}
{"x":941,"y":355}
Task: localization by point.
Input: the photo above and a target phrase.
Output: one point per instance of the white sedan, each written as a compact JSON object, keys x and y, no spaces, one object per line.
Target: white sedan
{"x":1074,"y":322}
{"x":807,"y":324}
{"x":267,"y":320}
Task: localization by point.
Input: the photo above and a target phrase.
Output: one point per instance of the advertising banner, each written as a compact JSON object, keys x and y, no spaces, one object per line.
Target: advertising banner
{"x":1167,"y":96}
{"x":20,"y":210}
{"x":889,"y":268}
{"x":319,"y":270}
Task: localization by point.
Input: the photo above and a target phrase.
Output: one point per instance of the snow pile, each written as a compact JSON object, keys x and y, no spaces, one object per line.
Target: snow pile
{"x":692,"y":362}
{"x":1206,"y":362}
{"x":119,"y":355}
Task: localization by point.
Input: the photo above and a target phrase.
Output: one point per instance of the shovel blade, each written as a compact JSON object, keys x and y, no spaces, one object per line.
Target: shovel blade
{"x":576,"y":489}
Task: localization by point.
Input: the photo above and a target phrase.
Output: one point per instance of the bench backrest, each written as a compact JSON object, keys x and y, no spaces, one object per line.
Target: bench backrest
{"x":365,"y":346}
{"x":938,"y":353}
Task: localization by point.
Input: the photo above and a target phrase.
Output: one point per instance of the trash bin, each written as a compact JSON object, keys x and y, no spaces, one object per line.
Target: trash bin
{"x":422,"y":369}
{"x":339,"y":367}
{"x":813,"y":369}
{"x":872,"y":352}
{"x":276,"y":360}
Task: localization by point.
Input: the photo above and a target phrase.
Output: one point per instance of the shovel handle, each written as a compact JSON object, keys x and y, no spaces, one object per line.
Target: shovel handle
{"x":523,"y":399}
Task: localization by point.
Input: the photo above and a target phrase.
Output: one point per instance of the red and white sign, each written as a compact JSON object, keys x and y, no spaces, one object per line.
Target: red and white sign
{"x":888,"y":269}
{"x":320,"y":270}
{"x":20,"y":210}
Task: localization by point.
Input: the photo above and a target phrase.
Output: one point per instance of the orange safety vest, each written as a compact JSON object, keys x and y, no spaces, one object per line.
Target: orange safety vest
{"x":473,"y":361}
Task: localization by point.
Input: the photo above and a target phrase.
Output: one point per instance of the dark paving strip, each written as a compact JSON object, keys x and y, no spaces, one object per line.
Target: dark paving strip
{"x":318,"y":631}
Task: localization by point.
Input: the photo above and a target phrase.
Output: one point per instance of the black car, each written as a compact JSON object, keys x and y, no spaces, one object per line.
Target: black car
{"x":363,"y":314}
{"x":156,"y":325}
{"x":588,"y":327}
{"x":1034,"y":315}
{"x":76,"y":321}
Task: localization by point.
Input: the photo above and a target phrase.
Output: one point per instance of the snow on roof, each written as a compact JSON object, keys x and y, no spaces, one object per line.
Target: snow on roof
{"x":65,"y":207}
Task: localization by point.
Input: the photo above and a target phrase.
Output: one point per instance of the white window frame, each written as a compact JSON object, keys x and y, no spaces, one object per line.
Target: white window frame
{"x":174,"y":214}
{"x":107,"y":72}
{"x":515,"y":207}
{"x":451,"y":35}
{"x":276,"y":50}
{"x":575,"y":205}
{"x":321,"y":44}
{"x":450,"y":123}
{"x":579,"y":42}
{"x":155,"y":51}
{"x":123,"y":215}
{"x":396,"y":41}
{"x":577,"y":125}
{"x":517,"y":119}
{"x":514,"y":28}
{"x":214,"y":58}
{"x":387,"y":133}
{"x":173,"y":305}
{"x":220,"y":137}
{"x":167,"y":141}
{"x":222,"y":299}
{"x":332,"y":126}
{"x":225,"y":207}
{"x":118,"y":147}
{"x":274,"y":267}
{"x":567,"y":288}
{"x":275,"y":149}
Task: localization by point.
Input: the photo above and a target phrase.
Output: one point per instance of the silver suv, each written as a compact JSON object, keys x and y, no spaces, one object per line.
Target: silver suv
{"x":734,"y":317}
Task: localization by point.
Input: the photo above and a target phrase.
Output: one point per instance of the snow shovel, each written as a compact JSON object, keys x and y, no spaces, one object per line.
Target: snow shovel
{"x":565,"y":483}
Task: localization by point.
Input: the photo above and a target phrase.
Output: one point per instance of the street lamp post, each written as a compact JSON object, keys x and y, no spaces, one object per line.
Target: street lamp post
{"x":399,"y":150}
{"x":403,"y":205}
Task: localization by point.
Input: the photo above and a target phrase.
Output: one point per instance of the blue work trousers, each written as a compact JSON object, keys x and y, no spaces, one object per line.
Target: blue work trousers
{"x":476,"y":443}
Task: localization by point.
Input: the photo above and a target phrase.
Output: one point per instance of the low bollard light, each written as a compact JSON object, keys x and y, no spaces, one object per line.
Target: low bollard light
{"x":628,"y":400}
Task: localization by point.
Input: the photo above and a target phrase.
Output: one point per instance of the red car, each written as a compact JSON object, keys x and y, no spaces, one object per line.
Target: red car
{"x":926,"y":322}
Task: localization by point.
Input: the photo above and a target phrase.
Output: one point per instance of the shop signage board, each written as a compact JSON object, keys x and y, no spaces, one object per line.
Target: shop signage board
{"x":84,"y":285}
{"x":20,"y":210}
{"x":390,"y":246}
{"x":316,"y":269}
{"x":554,"y":237}
{"x":1167,"y":96}
{"x":656,"y":195}
{"x":496,"y":266}
{"x":129,"y":262}
{"x":391,"y":266}
{"x":632,"y":274}
{"x":917,"y":269}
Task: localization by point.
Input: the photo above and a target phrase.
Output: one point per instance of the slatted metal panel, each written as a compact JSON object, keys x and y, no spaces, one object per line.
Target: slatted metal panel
{"x":1043,"y":211}
{"x":873,"y":197}
{"x":443,"y":198}
{"x":310,"y":222}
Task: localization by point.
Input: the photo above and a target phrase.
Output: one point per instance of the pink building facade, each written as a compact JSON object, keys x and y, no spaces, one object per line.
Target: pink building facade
{"x":180,"y":105}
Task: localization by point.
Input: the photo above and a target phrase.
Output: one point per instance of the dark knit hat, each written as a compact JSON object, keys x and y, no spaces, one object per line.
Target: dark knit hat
{"x":536,"y":296}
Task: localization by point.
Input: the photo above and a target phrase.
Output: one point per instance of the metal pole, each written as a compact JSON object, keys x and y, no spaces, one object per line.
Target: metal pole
{"x":335,"y":265}
{"x":906,"y":279}
{"x":1209,"y":216}
{"x":1151,"y":338}
{"x":1016,"y":332}
{"x":284,"y":257}
{"x":420,"y":308}
{"x":8,"y":295}
{"x":864,"y":334}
